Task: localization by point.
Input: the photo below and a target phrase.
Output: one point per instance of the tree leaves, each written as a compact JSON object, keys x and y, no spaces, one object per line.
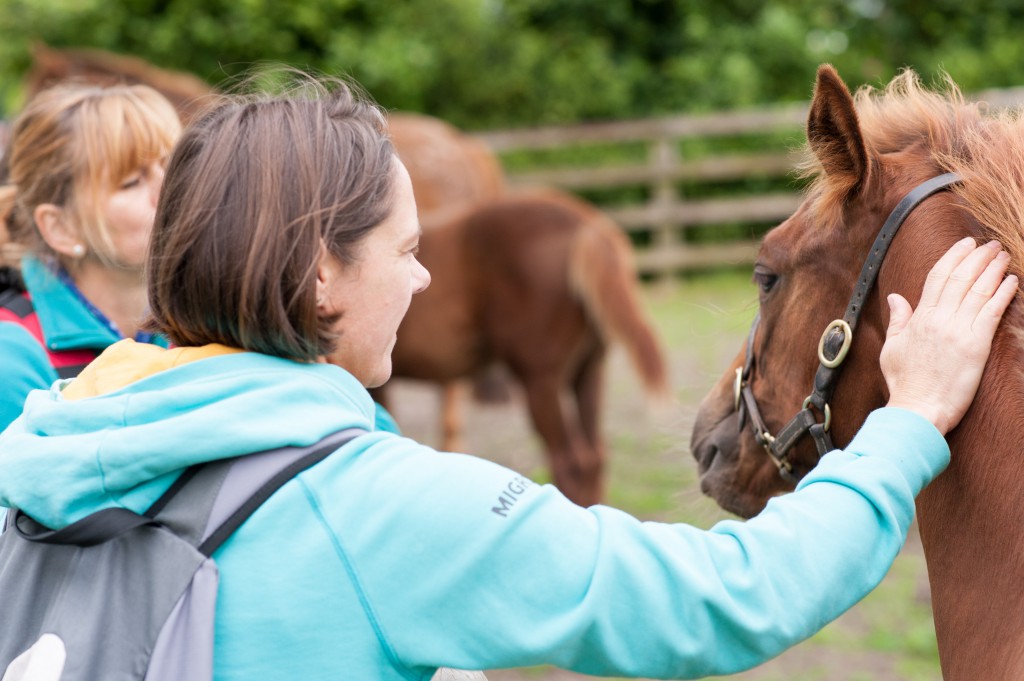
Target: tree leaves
{"x":497,"y":63}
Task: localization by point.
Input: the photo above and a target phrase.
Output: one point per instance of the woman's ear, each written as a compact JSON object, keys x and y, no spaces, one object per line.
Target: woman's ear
{"x":58,"y":231}
{"x":327,"y":271}
{"x":321,"y":286}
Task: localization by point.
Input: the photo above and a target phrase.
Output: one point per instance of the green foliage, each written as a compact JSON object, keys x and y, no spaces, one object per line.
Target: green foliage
{"x":494,"y":63}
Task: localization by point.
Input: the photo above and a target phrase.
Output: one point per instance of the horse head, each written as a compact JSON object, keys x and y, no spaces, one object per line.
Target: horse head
{"x":805,"y":379}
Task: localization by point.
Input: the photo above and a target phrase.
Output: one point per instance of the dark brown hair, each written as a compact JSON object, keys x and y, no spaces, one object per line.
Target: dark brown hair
{"x":254,"y":191}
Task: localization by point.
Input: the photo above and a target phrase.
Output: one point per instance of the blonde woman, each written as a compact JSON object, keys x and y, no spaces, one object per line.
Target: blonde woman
{"x":81,"y":174}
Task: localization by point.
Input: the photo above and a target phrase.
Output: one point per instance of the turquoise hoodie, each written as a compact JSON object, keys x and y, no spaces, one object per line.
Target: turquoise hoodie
{"x":390,"y":559}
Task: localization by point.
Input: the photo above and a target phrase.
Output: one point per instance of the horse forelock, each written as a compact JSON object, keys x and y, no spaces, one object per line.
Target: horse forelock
{"x":948,"y":134}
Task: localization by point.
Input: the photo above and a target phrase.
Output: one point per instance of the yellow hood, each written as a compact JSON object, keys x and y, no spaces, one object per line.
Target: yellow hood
{"x":126,"y":361}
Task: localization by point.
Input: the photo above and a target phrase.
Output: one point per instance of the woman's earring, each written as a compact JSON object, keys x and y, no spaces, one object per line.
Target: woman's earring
{"x":78,"y":250}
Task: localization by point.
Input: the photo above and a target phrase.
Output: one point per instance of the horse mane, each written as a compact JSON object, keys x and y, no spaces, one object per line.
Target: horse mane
{"x":948,"y":134}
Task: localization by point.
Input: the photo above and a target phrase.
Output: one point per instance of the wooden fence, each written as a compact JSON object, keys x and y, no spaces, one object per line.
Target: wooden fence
{"x":675,"y":229}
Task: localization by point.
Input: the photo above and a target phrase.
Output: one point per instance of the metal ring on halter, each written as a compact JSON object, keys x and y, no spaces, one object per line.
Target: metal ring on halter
{"x":828,"y":412}
{"x":847,"y":341}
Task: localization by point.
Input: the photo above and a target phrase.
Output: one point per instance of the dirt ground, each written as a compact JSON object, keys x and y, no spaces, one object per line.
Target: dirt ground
{"x":502,"y":433}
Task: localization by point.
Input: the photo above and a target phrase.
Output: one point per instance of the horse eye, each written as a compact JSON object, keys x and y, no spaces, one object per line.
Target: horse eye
{"x":764,"y":279}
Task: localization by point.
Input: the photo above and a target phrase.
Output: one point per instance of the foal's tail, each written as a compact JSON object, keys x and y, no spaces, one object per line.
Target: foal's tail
{"x":602,"y":273}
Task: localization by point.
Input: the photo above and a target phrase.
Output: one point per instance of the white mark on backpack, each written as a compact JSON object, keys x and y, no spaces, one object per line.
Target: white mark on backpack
{"x":44,"y":661}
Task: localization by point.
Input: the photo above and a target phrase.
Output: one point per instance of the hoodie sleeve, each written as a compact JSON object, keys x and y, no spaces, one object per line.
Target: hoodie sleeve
{"x":494,"y":571}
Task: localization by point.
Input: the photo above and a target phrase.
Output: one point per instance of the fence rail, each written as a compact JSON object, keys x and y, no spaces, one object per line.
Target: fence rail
{"x":668,"y":216}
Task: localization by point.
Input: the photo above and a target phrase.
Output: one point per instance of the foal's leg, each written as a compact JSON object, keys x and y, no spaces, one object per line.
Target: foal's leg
{"x":576,"y":466}
{"x":589,"y":389}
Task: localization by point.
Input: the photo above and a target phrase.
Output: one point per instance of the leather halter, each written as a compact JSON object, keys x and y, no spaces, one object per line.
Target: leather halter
{"x":832,"y":349}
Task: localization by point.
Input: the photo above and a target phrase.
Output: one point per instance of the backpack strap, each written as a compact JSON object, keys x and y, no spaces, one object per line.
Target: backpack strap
{"x":251,"y":471}
{"x":10,"y":278}
{"x":102,"y":525}
{"x":205,"y":505}
{"x":15,"y":301}
{"x":12,"y":293}
{"x":91,"y":530}
{"x":222,"y":495}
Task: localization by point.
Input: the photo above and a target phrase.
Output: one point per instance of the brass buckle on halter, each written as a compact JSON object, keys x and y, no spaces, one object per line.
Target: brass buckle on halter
{"x":843,"y":326}
{"x":766,"y":440}
{"x":781,"y":462}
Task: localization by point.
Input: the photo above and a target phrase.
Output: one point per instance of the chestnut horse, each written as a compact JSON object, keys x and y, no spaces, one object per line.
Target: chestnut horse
{"x":866,"y":152}
{"x":542,"y":283}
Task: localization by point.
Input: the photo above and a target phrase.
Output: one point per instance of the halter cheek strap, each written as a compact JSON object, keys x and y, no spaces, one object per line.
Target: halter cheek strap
{"x":832,"y":348}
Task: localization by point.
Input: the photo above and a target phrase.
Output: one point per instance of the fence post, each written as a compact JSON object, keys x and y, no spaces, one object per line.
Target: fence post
{"x":664,"y":159}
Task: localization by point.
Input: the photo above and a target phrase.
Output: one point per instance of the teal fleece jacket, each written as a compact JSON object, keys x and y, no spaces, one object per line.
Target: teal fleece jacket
{"x":390,"y":559}
{"x":66,"y":324}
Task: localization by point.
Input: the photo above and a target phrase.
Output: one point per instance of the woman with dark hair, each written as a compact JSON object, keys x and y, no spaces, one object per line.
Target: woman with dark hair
{"x":282,"y":261}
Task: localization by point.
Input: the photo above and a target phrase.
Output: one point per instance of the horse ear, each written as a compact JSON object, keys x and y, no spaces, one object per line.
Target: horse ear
{"x":833,"y":132}
{"x":47,"y":57}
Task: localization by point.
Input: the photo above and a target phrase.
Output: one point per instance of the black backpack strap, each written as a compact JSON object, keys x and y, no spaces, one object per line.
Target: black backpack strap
{"x":93,"y":529}
{"x":11,"y":280}
{"x":173,"y":490}
{"x":16,"y":302}
{"x":222,"y":494}
{"x":109,"y":523}
{"x":11,"y":289}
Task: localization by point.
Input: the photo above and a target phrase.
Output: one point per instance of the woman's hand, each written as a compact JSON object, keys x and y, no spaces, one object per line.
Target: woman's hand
{"x":933,"y":357}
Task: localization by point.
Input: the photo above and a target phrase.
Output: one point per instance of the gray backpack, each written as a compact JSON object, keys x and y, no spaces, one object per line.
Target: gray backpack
{"x":121,"y":596}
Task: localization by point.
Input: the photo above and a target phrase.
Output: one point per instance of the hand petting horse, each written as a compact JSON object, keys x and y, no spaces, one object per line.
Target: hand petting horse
{"x":900,"y":175}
